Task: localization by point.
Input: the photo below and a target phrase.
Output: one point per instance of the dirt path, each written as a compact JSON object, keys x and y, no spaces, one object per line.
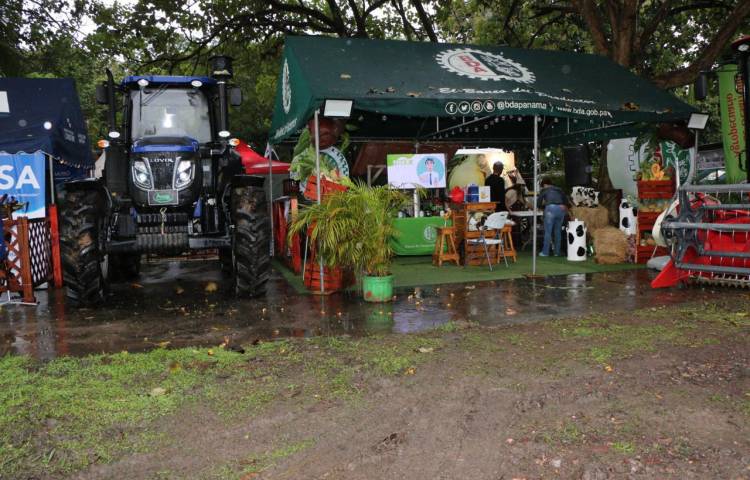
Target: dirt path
{"x":657,"y":393}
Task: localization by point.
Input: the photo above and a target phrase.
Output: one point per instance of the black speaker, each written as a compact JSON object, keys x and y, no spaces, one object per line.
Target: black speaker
{"x":577,"y":166}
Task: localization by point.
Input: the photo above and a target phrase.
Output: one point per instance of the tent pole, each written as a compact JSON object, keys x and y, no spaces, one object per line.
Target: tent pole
{"x":317,"y":188}
{"x":270,"y":195}
{"x":536,"y":188}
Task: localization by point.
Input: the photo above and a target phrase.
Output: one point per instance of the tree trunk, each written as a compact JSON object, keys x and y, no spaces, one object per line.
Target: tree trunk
{"x":609,"y":197}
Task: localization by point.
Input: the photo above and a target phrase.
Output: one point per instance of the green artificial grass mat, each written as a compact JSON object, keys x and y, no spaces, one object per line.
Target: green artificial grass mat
{"x":419,"y":271}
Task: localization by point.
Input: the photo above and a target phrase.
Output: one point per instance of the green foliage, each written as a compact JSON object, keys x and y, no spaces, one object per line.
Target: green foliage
{"x":352,"y":229}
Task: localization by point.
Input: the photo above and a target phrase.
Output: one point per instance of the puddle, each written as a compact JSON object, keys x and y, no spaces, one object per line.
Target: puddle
{"x":168,"y":306}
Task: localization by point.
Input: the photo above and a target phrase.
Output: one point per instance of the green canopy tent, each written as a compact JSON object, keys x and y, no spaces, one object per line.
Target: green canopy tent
{"x":433,"y":92}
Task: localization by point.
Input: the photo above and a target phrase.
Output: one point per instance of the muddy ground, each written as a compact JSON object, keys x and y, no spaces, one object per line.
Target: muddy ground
{"x":660,"y":392}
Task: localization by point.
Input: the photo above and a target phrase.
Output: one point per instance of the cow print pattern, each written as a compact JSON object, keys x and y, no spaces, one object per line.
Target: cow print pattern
{"x":570,"y":238}
{"x":581,"y":251}
{"x":580,"y":231}
{"x":625,"y":222}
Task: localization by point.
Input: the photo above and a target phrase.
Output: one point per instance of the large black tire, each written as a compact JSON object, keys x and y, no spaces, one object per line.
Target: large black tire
{"x":82,"y":218}
{"x":250,"y":241}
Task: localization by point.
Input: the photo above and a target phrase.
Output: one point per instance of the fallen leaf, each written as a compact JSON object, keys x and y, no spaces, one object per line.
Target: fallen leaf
{"x":136,"y":285}
{"x":158,"y":392}
{"x":608,"y":368}
{"x":179,"y":290}
{"x":211,"y":287}
{"x":163,"y":344}
{"x":510,"y":311}
{"x":345,"y":76}
{"x":410,"y":371}
{"x":425,"y":349}
{"x":210,"y":352}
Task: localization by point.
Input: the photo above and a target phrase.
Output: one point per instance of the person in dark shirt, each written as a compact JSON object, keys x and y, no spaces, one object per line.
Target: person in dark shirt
{"x":497,"y":186}
{"x":555,"y":204}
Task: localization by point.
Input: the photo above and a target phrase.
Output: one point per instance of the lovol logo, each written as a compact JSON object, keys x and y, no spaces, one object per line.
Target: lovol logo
{"x":473,"y":63}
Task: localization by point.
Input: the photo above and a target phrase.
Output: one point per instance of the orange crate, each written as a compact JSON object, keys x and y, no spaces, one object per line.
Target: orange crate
{"x":327,"y":187}
{"x":656,"y":189}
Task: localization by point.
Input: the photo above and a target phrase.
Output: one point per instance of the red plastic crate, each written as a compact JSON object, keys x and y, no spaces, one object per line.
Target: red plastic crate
{"x":651,"y":189}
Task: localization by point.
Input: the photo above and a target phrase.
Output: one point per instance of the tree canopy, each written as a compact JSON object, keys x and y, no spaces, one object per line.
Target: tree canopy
{"x":667,"y":41}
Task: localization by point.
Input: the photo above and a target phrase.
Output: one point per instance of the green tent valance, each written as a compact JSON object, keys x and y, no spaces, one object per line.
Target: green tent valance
{"x":433,"y":92}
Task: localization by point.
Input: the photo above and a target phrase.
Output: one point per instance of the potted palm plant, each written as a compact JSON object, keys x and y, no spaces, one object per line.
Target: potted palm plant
{"x":352,"y":229}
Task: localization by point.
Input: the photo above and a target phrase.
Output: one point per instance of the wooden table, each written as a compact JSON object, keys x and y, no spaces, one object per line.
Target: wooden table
{"x":462,"y":212}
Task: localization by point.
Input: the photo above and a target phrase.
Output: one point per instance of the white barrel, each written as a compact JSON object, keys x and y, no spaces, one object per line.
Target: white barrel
{"x":628,"y":221}
{"x":576,"y":241}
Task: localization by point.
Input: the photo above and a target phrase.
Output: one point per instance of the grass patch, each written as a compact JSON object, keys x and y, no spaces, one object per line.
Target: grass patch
{"x":626,"y":448}
{"x":604,"y":340}
{"x":260,"y":462}
{"x":59,"y":417}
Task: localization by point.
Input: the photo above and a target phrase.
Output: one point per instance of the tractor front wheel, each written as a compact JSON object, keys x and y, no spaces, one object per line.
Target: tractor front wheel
{"x":251,"y":261}
{"x":85,"y":265}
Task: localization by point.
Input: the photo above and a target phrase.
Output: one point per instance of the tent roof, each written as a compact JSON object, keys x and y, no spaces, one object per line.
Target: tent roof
{"x":430,"y":91}
{"x":34,"y":102}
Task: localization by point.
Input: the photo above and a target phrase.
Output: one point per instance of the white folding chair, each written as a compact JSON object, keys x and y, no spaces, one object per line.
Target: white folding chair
{"x":494,"y":222}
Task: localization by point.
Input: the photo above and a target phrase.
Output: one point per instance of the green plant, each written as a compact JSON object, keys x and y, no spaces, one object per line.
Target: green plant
{"x":353,"y":228}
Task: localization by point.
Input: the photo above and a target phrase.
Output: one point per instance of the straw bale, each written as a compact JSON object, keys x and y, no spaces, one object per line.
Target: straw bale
{"x":594,"y":218}
{"x":610,"y":246}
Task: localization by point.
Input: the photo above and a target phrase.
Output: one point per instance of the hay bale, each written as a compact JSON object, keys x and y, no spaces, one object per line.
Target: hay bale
{"x":594,"y":218}
{"x":610,"y":246}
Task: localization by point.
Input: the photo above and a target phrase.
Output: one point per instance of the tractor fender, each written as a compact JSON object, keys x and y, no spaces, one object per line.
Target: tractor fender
{"x":247,"y":181}
{"x":88,"y":184}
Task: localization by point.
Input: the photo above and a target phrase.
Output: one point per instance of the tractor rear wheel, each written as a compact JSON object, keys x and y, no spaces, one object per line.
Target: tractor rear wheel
{"x":85,"y":265}
{"x":250,"y":240}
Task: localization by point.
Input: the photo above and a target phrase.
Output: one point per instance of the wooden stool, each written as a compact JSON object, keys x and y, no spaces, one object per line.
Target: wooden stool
{"x":445,"y":241}
{"x":508,"y":248}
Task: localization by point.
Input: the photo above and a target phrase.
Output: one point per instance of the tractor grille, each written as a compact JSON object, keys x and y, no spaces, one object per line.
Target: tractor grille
{"x":162,"y":168}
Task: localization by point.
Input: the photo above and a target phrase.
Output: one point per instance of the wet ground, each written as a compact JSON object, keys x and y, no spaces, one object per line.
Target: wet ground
{"x":170,"y":305}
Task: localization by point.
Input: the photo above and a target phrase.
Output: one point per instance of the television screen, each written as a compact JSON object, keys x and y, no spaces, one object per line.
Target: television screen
{"x":412,"y":170}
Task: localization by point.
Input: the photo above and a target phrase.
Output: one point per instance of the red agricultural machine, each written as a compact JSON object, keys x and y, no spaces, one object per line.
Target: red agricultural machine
{"x":709,"y":230}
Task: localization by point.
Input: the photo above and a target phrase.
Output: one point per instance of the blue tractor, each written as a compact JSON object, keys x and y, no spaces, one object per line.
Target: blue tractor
{"x":171,"y":183}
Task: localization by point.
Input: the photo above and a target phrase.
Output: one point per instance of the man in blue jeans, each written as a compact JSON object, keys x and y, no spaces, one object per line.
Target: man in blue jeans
{"x":555,"y":204}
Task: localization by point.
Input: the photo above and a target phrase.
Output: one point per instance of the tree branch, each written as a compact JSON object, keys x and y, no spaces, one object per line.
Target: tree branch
{"x":425,"y":20}
{"x":683,"y":76}
{"x":591,"y":15}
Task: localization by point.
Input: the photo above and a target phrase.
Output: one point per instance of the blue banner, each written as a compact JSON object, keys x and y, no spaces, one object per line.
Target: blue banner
{"x":22,"y":176}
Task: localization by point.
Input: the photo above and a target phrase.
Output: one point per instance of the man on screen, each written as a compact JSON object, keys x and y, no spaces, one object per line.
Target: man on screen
{"x":430,"y":178}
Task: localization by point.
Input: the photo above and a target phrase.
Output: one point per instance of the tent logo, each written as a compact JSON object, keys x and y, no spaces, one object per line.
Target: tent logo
{"x":481,"y":65}
{"x":286,"y":88}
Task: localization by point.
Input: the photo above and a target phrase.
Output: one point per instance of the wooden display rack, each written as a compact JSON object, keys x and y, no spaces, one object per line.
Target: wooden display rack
{"x":475,"y":252}
{"x":650,"y":190}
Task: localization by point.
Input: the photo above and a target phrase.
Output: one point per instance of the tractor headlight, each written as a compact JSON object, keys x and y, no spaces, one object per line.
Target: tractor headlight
{"x":142,"y":175}
{"x":184,"y":174}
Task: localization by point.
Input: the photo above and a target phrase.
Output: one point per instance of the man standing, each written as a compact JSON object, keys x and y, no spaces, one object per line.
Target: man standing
{"x":430,"y":178}
{"x":555,"y":204}
{"x":497,"y":186}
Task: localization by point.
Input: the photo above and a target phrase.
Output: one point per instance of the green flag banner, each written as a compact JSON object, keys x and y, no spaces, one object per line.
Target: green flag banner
{"x":732,"y":123}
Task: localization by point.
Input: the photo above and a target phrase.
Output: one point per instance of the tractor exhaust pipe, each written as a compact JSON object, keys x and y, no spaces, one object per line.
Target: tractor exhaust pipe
{"x":111,"y":108}
{"x":222,"y":72}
